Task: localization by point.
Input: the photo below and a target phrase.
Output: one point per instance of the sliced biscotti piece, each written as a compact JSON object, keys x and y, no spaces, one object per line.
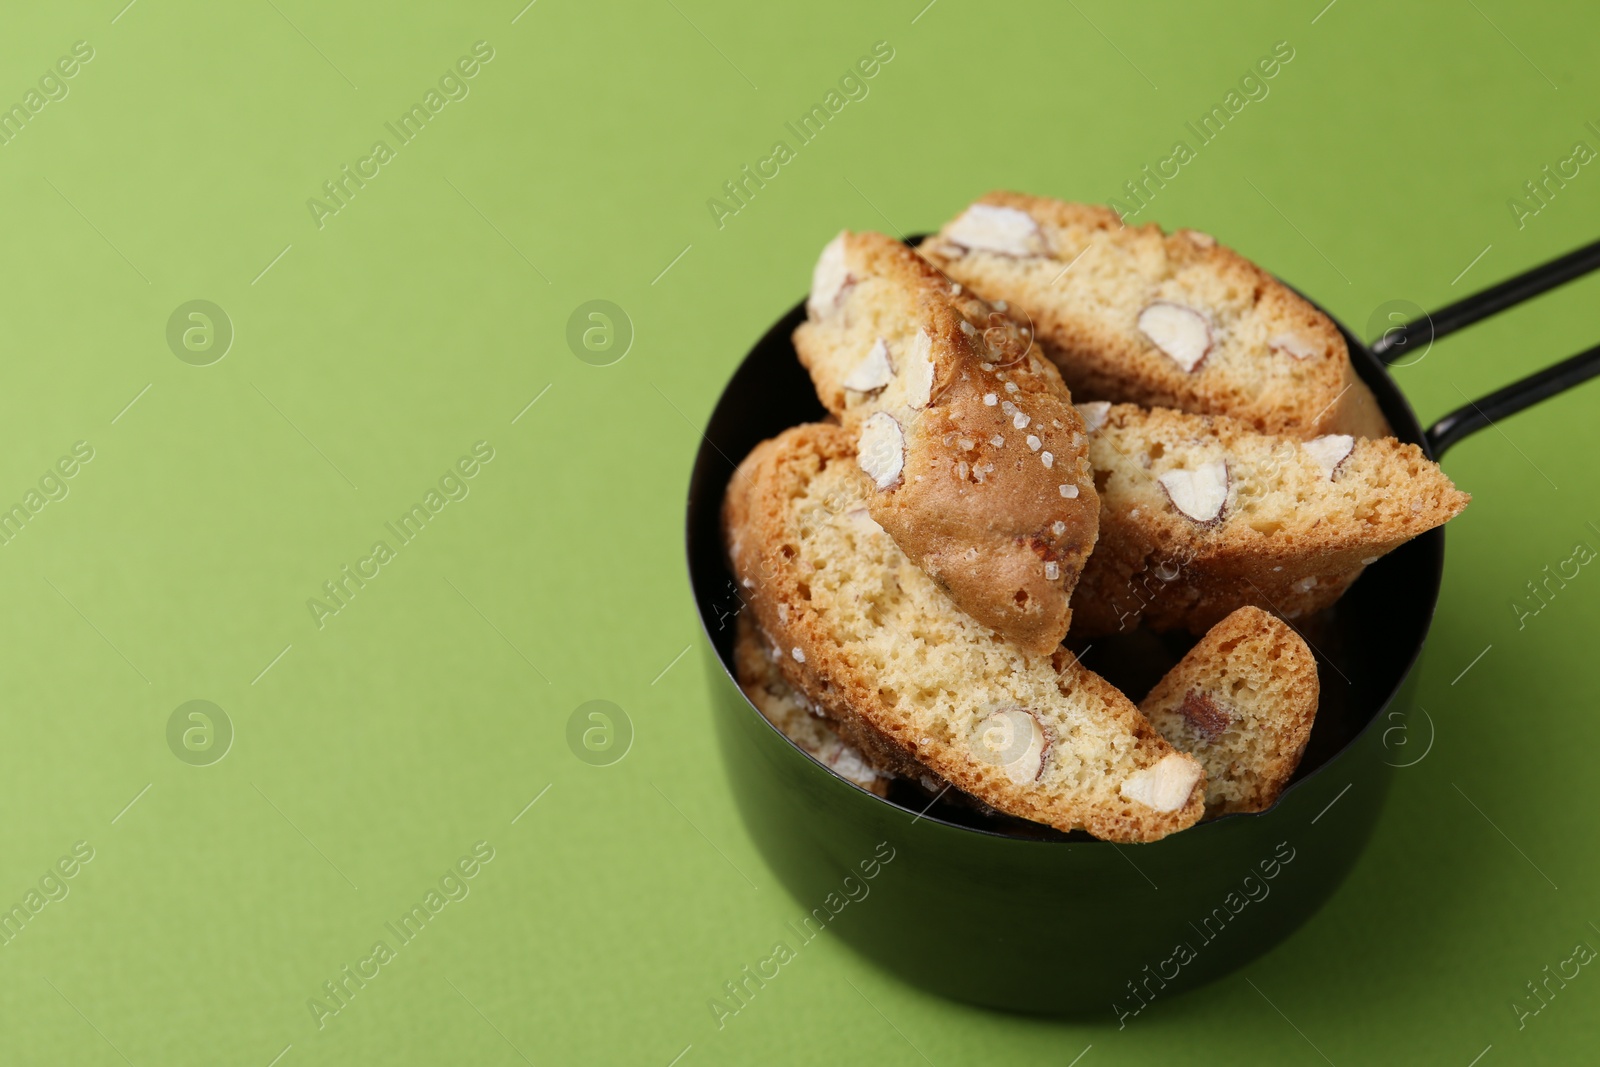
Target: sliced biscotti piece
{"x":1130,"y":313}
{"x":865,"y":635}
{"x":1200,"y":515}
{"x":971,"y":453}
{"x":1241,"y":702}
{"x":755,"y":664}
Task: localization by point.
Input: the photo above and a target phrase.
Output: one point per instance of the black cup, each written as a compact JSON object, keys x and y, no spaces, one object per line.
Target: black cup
{"x":1007,"y":914}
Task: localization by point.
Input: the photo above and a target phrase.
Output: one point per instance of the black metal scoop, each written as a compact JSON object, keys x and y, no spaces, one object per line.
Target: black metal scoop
{"x":1002,"y":912}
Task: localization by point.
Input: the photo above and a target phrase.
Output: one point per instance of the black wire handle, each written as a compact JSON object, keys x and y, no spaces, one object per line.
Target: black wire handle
{"x":1395,"y":343}
{"x":1520,"y":394}
{"x":1523,"y":393}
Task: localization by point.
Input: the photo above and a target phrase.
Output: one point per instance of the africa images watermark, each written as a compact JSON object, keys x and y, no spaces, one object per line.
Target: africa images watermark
{"x":739,"y":991}
{"x":454,"y":886}
{"x":453,"y":485}
{"x":853,"y":86}
{"x":1542,"y":190}
{"x":52,"y":887}
{"x":53,"y":486}
{"x":52,"y":88}
{"x":1540,"y":995}
{"x":1252,"y":889}
{"x":453,"y":86}
{"x":1541,"y":594}
{"x":1142,"y":189}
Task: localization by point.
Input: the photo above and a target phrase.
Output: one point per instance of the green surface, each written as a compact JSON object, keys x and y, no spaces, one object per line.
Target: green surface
{"x":375,"y":747}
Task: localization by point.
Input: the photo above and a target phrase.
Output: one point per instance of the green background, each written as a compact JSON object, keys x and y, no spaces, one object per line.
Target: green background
{"x":424,"y":717}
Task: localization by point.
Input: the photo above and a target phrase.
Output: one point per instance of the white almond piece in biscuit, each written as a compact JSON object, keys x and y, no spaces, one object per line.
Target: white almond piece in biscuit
{"x":862,"y":519}
{"x":1012,"y":740}
{"x":1181,"y":332}
{"x":1093,"y":414}
{"x":919,"y":371}
{"x":1201,"y":493}
{"x":848,"y":763}
{"x":848,"y":597}
{"x":1100,"y":272}
{"x":882,"y":449}
{"x":1164,"y":787}
{"x":1006,"y":230}
{"x":1283,"y":520}
{"x":1329,"y":451}
{"x":829,"y":280}
{"x":1294,"y":344}
{"x":873,"y":372}
{"x":941,"y":372}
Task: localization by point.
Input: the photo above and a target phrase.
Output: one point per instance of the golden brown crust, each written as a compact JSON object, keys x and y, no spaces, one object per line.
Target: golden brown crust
{"x":1275,"y":361}
{"x":908,"y":678}
{"x":1242,"y":702}
{"x":1291,"y":539}
{"x":979,"y":504}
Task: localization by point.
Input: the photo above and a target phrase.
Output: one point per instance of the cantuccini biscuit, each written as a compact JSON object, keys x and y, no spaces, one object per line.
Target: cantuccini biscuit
{"x":1132,"y":314}
{"x":1201,"y":515}
{"x":1242,"y":702}
{"x":915,"y":683}
{"x":971,"y":454}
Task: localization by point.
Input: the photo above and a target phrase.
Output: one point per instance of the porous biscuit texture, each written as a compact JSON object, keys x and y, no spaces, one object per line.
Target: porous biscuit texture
{"x":915,"y":683}
{"x":1201,"y":515}
{"x":1132,"y":314}
{"x":1242,"y":702}
{"x":971,"y":454}
{"x":755,"y":664}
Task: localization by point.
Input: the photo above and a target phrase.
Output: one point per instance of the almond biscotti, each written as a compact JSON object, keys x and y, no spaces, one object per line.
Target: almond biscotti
{"x":972,"y":456}
{"x":1241,"y":702}
{"x":1201,"y":515}
{"x":915,"y":683}
{"x":1131,"y":314}
{"x":755,"y":665}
